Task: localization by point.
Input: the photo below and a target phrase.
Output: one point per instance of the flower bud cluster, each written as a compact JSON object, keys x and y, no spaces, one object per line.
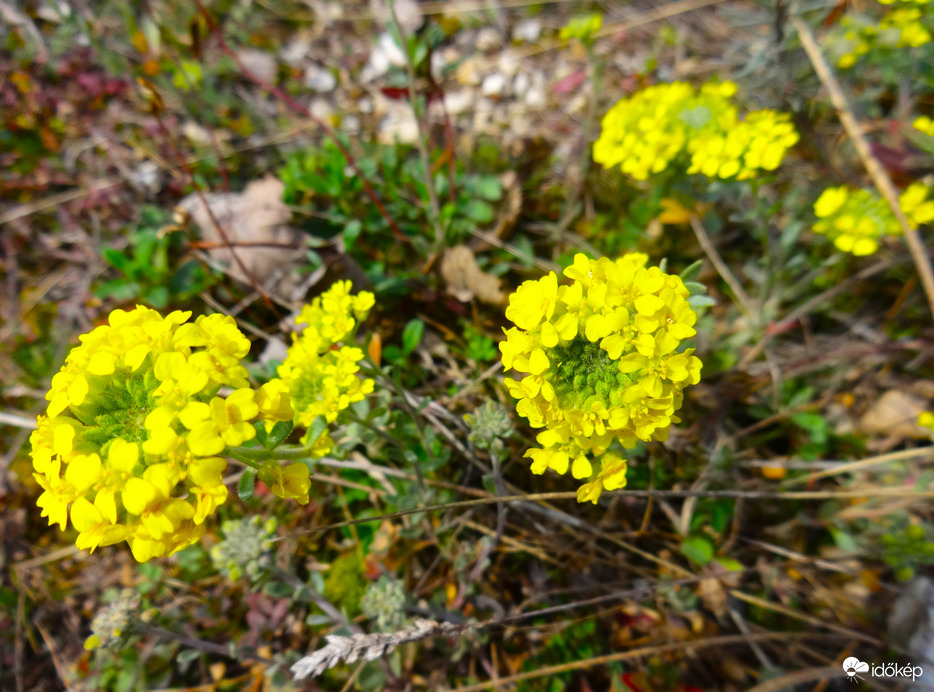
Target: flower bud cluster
{"x":246,"y":548}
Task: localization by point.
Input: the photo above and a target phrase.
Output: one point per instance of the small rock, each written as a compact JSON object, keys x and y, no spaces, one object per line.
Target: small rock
{"x":488,"y":39}
{"x":294,"y":51}
{"x":350,"y":124}
{"x":527,"y":31}
{"x":456,"y":102}
{"x":260,"y":63}
{"x":536,"y":96}
{"x":398,"y":125}
{"x":521,"y":84}
{"x":320,"y":78}
{"x":493,"y":84}
{"x":385,"y":54}
{"x":407,"y":12}
{"x":508,"y":63}
{"x":468,"y":73}
{"x":321,"y":109}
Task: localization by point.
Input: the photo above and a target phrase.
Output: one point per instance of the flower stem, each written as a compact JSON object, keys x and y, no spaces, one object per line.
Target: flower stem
{"x":254,"y":456}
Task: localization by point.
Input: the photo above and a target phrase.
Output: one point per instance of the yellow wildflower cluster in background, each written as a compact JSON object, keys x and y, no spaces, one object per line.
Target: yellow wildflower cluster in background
{"x":130,"y":446}
{"x":854,"y":220}
{"x":320,"y":371}
{"x":701,"y":131}
{"x":602,"y":363}
{"x":924,"y":124}
{"x":898,"y":28}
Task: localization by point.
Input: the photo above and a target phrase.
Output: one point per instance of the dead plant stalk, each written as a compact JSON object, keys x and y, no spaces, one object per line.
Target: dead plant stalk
{"x":877,"y":172}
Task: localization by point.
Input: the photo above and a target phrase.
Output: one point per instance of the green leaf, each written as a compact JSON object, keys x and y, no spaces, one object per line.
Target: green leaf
{"x":157,"y":296}
{"x":118,"y":289}
{"x":701,"y":302}
{"x":844,"y":540}
{"x":318,"y":426}
{"x":117,"y":260}
{"x":698,"y":549}
{"x":412,"y":336}
{"x":478,"y":211}
{"x":695,"y":288}
{"x":279,"y":589}
{"x":729,"y":563}
{"x":279,"y":432}
{"x":690,"y":272}
{"x":489,"y":188}
{"x":186,"y":656}
{"x":247,"y":485}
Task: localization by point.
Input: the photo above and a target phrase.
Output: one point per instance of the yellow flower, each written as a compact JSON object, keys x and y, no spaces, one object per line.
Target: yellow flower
{"x":602,"y":360}
{"x":700,"y":131}
{"x":320,"y":373}
{"x":290,"y":482}
{"x":924,"y":124}
{"x":855,"y":220}
{"x":116,"y":451}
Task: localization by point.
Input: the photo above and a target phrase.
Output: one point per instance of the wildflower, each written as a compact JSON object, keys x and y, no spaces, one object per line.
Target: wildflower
{"x":320,"y":372}
{"x":855,"y":220}
{"x":603,"y":363}
{"x":675,"y":125}
{"x":128,"y":448}
{"x":925,"y":125}
{"x":898,"y":28}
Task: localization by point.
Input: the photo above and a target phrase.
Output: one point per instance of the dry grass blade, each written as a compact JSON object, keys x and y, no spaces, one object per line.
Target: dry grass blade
{"x":879,"y":175}
{"x":366,"y":647}
{"x":687,"y":647}
{"x":798,"y":677}
{"x":863,"y":464}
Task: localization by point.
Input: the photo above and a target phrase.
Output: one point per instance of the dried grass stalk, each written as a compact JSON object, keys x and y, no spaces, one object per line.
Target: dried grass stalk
{"x":367,"y":646}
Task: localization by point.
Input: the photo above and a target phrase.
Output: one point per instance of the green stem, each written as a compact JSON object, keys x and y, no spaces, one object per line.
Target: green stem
{"x":253,"y":456}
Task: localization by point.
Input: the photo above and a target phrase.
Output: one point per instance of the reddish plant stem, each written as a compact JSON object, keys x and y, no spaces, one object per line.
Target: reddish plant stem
{"x":304,"y":112}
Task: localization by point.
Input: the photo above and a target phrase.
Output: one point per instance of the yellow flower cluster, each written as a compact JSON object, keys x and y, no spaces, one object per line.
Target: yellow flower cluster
{"x":129,"y":448}
{"x":319,"y":372}
{"x":674,"y":123}
{"x":924,"y":124}
{"x":602,"y":362}
{"x":855,"y":219}
{"x":899,"y":28}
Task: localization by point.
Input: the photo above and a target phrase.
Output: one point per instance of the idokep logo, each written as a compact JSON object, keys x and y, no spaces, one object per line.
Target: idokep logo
{"x":853,"y":667}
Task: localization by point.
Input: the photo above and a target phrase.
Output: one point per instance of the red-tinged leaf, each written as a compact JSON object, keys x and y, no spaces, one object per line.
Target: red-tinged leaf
{"x":396,"y":93}
{"x":834,"y":15}
{"x":569,"y":83}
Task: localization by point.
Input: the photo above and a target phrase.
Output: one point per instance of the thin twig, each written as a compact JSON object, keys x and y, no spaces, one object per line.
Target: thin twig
{"x":420,"y":131}
{"x":877,"y":172}
{"x":645,"y":651}
{"x":863,"y":464}
{"x":744,"y":302}
{"x":876,"y":492}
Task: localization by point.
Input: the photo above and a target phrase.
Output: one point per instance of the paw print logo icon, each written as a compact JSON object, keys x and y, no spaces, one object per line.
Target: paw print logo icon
{"x":853,"y":667}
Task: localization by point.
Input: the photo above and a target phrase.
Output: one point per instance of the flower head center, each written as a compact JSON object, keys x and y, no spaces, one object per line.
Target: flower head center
{"x":582,"y":373}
